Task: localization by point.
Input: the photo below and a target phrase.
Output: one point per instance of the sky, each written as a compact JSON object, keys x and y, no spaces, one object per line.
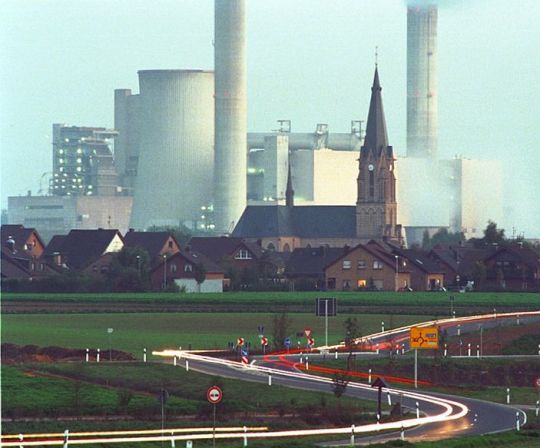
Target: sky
{"x":310,"y":61}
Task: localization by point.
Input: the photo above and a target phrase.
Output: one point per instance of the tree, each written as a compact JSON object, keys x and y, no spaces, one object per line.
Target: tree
{"x":339,"y":384}
{"x":493,"y":235}
{"x":280,"y":329}
{"x":199,"y":273}
{"x":130,"y":270}
{"x":442,"y":236}
{"x":479,"y":274}
{"x":352,"y":330}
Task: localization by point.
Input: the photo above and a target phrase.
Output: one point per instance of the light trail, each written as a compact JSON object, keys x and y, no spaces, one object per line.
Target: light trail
{"x":138,"y":432}
{"x":444,"y":323}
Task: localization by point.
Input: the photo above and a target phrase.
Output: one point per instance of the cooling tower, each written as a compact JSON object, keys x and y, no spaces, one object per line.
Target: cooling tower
{"x":176,"y":163}
{"x":230,"y":113}
{"x":422,"y":101}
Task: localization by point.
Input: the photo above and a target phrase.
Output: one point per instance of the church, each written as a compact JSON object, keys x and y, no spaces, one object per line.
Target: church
{"x":287,"y":227}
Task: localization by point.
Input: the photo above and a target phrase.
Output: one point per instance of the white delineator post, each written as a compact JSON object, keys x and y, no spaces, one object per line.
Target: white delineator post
{"x":144,"y":355}
{"x":87,"y":358}
{"x":97,"y":355}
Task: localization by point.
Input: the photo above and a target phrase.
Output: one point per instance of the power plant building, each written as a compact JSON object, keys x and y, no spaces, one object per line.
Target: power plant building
{"x":83,"y":162}
{"x":175,"y":144}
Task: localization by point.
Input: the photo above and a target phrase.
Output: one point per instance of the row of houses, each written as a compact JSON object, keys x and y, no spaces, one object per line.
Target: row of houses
{"x":214,"y":264}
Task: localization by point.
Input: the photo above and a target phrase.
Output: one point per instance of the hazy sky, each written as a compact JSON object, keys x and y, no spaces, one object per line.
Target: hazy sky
{"x":310,"y":61}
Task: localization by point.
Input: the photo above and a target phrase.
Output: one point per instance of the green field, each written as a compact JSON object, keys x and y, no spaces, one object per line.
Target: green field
{"x":155,"y":331}
{"x":302,"y":298}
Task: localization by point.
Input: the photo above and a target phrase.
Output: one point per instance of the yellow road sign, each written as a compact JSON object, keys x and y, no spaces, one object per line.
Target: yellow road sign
{"x":424,"y":337}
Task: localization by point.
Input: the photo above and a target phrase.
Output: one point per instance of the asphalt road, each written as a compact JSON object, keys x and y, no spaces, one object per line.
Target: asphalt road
{"x":483,"y":417}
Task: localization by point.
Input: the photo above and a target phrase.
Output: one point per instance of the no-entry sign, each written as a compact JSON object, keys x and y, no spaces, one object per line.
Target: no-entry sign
{"x":214,"y":395}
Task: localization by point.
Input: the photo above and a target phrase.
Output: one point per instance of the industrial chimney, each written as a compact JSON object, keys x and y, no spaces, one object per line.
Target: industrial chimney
{"x":230,"y":162}
{"x":422,"y":100}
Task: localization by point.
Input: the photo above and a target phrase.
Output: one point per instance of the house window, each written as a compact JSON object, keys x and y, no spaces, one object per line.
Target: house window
{"x":361,"y":283}
{"x":104,"y":269}
{"x":331,"y":283}
{"x":347,"y":264}
{"x":271,"y":246}
{"x":188,"y":267}
{"x":173,"y":267}
{"x":377,"y":264}
{"x":346,"y":284}
{"x":170,"y":244}
{"x":361,"y":264}
{"x":243,"y":254}
{"x":41,"y":267}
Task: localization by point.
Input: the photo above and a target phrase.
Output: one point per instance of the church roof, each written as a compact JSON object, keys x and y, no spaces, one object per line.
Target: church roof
{"x":376,"y":138}
{"x":314,"y":221}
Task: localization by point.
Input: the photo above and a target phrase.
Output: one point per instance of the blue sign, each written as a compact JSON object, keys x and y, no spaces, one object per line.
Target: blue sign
{"x":244,"y":351}
{"x":287,"y":342}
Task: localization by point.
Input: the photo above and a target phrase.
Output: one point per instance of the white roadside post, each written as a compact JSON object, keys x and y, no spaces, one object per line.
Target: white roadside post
{"x":469,"y":349}
{"x":173,"y":445}
{"x":66,"y":438}
{"x":402,"y":433}
{"x":369,"y":376}
{"x":417,"y":410}
{"x":97,"y":355}
{"x":352,"y":435}
{"x":537,"y":411}
{"x":21,"y":438}
{"x":382,"y":327}
{"x":187,"y":365}
{"x":245,"y":436}
{"x":389,"y":398}
{"x":144,"y":355}
{"x":477,"y":351}
{"x":517,"y":422}
{"x":174,"y":360}
{"x":336,"y":356}
{"x":269,"y":379}
{"x":507,"y":395}
{"x":445,"y":350}
{"x":87,"y":358}
{"x":377,"y":349}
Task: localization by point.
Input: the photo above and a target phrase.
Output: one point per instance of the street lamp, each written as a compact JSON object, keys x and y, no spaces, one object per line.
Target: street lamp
{"x":164,"y":271}
{"x":396,"y":276}
{"x":139,"y":265}
{"x":109,"y":333}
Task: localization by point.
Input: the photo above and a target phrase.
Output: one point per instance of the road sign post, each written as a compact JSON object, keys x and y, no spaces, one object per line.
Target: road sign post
{"x":214,"y":396}
{"x":326,"y":307}
{"x":422,"y":338}
{"x":379,"y":383}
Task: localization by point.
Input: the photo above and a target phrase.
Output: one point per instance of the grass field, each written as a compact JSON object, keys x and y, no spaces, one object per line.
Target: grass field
{"x":345,"y":298}
{"x":134,"y":331}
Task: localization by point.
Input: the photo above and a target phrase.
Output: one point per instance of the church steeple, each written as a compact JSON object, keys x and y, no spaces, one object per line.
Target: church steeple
{"x":376,"y":207}
{"x":376,"y":137}
{"x":289,"y":192}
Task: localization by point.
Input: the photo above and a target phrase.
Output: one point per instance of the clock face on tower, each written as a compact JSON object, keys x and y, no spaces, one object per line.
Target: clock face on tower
{"x":370,"y":167}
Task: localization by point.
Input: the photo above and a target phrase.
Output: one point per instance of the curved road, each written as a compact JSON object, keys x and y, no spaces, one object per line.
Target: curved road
{"x":462,"y":415}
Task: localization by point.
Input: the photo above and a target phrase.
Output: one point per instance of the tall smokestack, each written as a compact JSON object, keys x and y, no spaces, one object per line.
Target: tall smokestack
{"x":230,"y":113}
{"x":422,"y":100}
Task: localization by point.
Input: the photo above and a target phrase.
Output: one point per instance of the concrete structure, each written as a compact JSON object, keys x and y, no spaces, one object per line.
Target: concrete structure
{"x":230,"y":113}
{"x":175,"y":166}
{"x":422,"y":95}
{"x":53,"y":215}
{"x":127,"y":121}
{"x":83,"y":161}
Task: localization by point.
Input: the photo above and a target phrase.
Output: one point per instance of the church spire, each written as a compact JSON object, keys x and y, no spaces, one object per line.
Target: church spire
{"x":289,"y":192}
{"x":376,"y":137}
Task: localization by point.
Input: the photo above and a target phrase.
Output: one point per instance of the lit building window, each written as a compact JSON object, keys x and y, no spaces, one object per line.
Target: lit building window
{"x":61,"y":169}
{"x":60,"y":151}
{"x":79,"y":169}
{"x":79,"y":160}
{"x":60,"y":160}
{"x":79,"y":151}
{"x":361,"y":283}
